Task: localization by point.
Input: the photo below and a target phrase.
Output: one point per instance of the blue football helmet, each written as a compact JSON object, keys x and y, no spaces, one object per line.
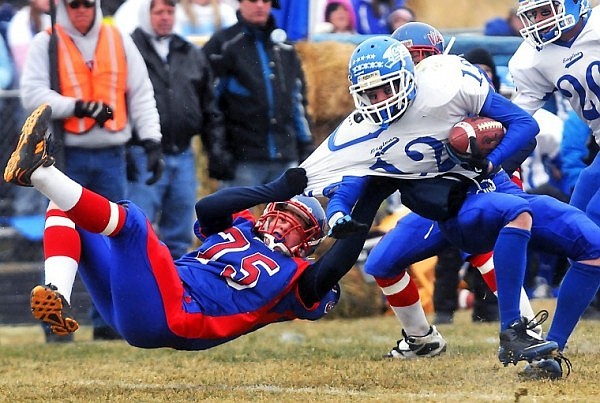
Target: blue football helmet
{"x":422,"y":40}
{"x":304,"y":214}
{"x":541,"y":27}
{"x":377,"y":62}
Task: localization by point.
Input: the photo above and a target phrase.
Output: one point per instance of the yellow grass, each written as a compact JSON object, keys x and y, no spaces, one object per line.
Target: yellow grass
{"x":330,"y":360}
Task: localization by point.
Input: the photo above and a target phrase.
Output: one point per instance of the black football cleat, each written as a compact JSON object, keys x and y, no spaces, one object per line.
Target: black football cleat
{"x":519,"y":343}
{"x":547,"y":368}
{"x":31,"y":151}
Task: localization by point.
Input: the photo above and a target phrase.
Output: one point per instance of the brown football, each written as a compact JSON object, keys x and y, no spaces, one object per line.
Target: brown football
{"x":488,"y":133}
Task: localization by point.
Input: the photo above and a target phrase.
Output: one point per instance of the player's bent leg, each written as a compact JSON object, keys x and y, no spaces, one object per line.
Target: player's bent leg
{"x":49,"y":306}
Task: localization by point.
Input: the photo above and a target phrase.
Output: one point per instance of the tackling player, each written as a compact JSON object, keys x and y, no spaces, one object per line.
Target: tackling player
{"x":244,"y":276}
{"x":399,"y":130}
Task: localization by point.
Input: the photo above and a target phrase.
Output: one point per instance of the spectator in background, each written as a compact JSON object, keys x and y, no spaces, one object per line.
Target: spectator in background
{"x":372,"y":15}
{"x":202,"y":17}
{"x":339,"y":18}
{"x":261,"y":92}
{"x":27,"y":22}
{"x":96,"y":109}
{"x":399,"y":17}
{"x":504,"y":26}
{"x":184,"y":93}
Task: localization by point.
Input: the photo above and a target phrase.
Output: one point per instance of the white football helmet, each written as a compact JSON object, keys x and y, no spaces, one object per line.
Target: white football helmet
{"x":376,"y":62}
{"x":557,"y":17}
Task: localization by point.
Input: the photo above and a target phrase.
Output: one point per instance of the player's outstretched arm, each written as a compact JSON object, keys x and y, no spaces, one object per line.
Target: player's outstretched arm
{"x":219,"y":206}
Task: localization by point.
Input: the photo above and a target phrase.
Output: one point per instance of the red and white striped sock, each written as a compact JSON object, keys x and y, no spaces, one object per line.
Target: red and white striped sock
{"x":485,"y":264}
{"x":71,"y":205}
{"x":402,"y":294}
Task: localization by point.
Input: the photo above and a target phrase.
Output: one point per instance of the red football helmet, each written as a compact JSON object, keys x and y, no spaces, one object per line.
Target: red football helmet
{"x":303,"y":215}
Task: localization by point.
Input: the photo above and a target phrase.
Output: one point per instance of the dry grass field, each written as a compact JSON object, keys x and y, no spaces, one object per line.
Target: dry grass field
{"x":332,"y":360}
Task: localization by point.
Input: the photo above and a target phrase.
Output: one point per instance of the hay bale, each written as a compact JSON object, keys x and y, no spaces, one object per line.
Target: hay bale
{"x":325,"y":67}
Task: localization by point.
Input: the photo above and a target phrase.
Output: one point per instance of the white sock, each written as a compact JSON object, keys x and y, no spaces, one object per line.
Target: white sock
{"x":60,"y":272}
{"x":413,"y":319}
{"x":57,"y":186}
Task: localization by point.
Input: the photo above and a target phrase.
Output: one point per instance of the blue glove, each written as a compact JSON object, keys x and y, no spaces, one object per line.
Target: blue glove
{"x":342,"y":226}
{"x":474,"y":161}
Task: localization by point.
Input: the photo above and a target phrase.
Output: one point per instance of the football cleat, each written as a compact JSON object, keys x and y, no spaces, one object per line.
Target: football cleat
{"x":519,"y":343}
{"x":430,"y":345}
{"x":49,"y":306}
{"x":547,"y":368}
{"x":31,"y":151}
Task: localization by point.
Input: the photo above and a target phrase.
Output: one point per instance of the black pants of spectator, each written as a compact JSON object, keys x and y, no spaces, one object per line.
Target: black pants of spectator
{"x":445,"y":292}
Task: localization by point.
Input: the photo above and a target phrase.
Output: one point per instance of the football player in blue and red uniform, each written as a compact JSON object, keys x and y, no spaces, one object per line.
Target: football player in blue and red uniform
{"x":245,"y":275}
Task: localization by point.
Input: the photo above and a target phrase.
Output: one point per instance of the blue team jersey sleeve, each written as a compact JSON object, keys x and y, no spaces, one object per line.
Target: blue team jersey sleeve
{"x":521,"y":128}
{"x":346,"y":195}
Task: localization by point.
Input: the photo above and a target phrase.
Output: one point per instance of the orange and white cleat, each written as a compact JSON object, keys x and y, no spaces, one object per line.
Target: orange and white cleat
{"x":49,"y":306}
{"x":31,"y":151}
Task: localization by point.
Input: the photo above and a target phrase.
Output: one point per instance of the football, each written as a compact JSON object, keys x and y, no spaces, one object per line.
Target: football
{"x":488,"y":133}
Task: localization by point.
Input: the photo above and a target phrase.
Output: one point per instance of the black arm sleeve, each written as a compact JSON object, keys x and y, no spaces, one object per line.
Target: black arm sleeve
{"x":214,"y":211}
{"x":316,"y":282}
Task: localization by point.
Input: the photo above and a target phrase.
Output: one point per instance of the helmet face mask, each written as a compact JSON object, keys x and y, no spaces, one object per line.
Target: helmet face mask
{"x":544,"y":21}
{"x":381,"y":62}
{"x":294,"y":227}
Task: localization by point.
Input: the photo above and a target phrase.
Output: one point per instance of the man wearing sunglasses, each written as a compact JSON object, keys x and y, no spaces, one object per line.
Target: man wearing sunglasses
{"x":103,"y":92}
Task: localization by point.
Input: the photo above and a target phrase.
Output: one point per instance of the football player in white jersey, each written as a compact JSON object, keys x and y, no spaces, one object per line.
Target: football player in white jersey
{"x":561,"y":53}
{"x":399,"y":131}
{"x":419,"y":338}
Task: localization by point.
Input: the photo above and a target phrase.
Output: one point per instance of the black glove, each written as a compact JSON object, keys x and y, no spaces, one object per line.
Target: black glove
{"x":132,"y":171}
{"x":474,"y":161}
{"x":344,"y":226}
{"x":296,"y":180}
{"x":221,"y":165}
{"x":155,"y":162}
{"x":99,"y":111}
